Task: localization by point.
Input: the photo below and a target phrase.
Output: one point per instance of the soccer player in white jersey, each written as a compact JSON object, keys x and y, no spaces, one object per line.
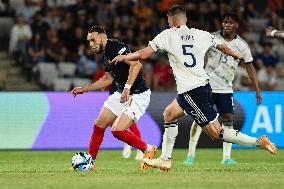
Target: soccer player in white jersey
{"x":221,"y":70}
{"x":186,"y":50}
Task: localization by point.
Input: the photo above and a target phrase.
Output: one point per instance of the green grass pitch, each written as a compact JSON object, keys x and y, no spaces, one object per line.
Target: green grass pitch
{"x":49,"y":169}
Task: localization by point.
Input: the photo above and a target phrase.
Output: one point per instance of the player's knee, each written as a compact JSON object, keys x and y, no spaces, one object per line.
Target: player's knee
{"x":168,"y":115}
{"x":101,"y":123}
{"x":165,"y":114}
{"x":116,"y":127}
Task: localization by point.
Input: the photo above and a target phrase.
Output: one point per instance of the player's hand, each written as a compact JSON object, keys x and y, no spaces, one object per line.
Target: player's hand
{"x":258,"y":98}
{"x":268,"y":31}
{"x":125,"y":95}
{"x":118,"y":58}
{"x":77,"y":90}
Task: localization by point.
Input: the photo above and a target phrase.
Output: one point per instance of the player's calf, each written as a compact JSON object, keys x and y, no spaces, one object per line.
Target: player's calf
{"x":95,"y":141}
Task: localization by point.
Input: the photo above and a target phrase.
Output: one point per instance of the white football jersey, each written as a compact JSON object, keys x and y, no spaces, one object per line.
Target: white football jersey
{"x":221,"y":68}
{"x":186,"y":48}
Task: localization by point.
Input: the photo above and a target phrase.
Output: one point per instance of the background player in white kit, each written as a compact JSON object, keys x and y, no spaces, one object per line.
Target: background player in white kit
{"x":186,"y":49}
{"x":221,"y":70}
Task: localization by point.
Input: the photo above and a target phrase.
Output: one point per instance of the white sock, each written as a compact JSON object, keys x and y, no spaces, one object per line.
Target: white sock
{"x":236,"y":137}
{"x":126,"y":152}
{"x":139,"y":155}
{"x":149,"y":148}
{"x":227,"y":147}
{"x":164,"y":143}
{"x":195,"y":132}
{"x":169,"y":138}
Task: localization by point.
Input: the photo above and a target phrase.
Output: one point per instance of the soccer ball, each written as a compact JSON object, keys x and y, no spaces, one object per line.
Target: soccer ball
{"x":82,"y":161}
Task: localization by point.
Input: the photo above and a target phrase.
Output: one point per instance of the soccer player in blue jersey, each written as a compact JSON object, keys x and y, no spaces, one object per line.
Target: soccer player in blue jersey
{"x":127,"y":104}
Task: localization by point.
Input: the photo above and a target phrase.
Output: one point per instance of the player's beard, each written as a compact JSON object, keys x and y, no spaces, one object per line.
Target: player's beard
{"x":101,"y":47}
{"x":227,"y":32}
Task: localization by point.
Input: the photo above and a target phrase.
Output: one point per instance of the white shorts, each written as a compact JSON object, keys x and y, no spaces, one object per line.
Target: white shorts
{"x":135,"y":107}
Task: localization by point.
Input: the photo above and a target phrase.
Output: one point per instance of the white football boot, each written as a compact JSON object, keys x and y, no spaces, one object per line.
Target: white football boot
{"x":164,"y":165}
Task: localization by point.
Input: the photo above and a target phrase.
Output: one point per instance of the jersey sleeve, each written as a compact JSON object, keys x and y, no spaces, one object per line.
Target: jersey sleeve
{"x":209,"y":39}
{"x":214,"y":41}
{"x":247,"y":54}
{"x":160,"y":41}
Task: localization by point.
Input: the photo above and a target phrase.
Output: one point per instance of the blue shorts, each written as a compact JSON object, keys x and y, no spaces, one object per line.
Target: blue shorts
{"x":224,"y":102}
{"x":197,"y":103}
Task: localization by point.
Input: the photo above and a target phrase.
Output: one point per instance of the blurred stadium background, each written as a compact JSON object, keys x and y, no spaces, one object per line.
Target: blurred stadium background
{"x":40,"y":37}
{"x":44,"y":53}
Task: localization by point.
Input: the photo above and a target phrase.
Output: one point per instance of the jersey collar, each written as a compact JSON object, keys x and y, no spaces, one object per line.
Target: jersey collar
{"x":181,"y":26}
{"x":221,"y":33}
{"x":108,"y":46}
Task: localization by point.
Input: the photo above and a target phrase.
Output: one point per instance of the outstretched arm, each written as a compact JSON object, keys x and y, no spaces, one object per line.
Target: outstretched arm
{"x":252,"y":75}
{"x":229,"y":51}
{"x":138,"y":55}
{"x":106,"y":80}
{"x":272,"y":32}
